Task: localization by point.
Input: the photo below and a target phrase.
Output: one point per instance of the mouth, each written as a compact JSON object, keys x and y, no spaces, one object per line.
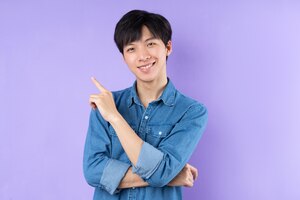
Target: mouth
{"x":147,"y":66}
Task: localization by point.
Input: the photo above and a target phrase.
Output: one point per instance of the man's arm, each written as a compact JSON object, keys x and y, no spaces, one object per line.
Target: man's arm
{"x":186,"y":177}
{"x":177,"y":147}
{"x":99,"y":169}
{"x":157,"y":166}
{"x":132,"y":180}
{"x":130,"y":142}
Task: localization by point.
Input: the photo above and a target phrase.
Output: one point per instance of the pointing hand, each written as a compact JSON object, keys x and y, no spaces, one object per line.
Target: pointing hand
{"x":104,"y":101}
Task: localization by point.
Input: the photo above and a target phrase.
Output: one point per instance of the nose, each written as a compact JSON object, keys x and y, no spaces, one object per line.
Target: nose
{"x":144,"y":55}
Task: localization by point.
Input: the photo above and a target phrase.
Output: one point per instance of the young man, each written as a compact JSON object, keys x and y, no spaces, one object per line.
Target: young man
{"x":140,"y":139}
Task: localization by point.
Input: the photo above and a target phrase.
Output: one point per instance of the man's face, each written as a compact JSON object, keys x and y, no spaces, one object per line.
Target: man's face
{"x":146,"y":58}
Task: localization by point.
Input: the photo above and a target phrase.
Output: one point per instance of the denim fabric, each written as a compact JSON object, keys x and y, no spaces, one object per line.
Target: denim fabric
{"x":170,"y":127}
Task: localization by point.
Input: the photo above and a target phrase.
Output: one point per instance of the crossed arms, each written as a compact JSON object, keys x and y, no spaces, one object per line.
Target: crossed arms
{"x":170,"y":169}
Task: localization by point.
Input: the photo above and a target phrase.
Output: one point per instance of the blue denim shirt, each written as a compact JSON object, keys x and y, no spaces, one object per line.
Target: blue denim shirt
{"x":170,"y":127}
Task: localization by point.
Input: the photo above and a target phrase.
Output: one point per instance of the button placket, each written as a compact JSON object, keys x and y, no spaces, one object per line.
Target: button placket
{"x":144,"y":121}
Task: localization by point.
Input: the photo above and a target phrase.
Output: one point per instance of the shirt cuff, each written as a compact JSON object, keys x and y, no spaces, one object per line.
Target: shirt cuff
{"x":113,"y":173}
{"x":148,"y":161}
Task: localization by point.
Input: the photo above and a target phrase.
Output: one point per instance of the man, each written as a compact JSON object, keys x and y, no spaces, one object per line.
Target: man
{"x":140,"y":139}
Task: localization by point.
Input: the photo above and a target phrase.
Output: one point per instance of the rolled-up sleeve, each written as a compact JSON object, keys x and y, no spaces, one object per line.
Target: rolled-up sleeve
{"x":145,"y":167}
{"x":99,"y":169}
{"x":158,"y":166}
{"x":113,"y":173}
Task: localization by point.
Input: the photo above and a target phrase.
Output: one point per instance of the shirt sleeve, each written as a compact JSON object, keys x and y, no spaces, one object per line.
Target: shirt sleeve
{"x":99,"y":169}
{"x":158,"y":166}
{"x":145,"y":167}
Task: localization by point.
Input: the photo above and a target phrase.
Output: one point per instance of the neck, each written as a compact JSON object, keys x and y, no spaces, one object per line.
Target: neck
{"x":150,"y":91}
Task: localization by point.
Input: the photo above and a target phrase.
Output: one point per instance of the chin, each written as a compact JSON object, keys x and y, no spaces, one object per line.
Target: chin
{"x":145,"y":79}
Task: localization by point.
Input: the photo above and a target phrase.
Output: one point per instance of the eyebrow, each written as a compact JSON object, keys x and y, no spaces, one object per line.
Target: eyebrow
{"x":151,"y":38}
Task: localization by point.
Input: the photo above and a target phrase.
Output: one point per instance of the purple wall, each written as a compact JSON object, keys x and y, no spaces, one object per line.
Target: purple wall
{"x":240,"y":59}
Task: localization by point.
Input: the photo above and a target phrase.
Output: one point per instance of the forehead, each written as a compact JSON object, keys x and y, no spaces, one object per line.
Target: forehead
{"x":145,"y":35}
{"x":145,"y":32}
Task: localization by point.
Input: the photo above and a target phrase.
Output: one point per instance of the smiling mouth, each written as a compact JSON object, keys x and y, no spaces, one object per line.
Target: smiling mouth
{"x":147,"y":66}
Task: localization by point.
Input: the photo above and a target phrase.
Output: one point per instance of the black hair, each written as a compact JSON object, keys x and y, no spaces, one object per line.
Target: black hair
{"x":129,"y":28}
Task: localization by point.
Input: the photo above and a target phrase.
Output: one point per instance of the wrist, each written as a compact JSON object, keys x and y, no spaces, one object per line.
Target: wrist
{"x":115,"y":118}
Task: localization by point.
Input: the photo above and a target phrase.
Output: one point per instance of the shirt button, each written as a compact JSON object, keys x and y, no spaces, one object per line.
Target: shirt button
{"x":159,"y":133}
{"x":133,"y":188}
{"x":146,"y":117}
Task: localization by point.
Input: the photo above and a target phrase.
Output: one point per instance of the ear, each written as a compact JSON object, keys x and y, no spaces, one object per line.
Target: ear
{"x":169,"y":47}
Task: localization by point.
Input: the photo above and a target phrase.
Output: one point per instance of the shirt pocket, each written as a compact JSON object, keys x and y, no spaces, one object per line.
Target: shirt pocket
{"x":117,"y":151}
{"x":156,"y":133}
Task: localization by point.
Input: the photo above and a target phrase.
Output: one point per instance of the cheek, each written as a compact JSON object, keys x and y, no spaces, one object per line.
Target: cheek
{"x":129,"y":60}
{"x":160,"y":53}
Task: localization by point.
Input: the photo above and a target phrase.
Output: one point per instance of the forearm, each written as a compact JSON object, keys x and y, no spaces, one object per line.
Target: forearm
{"x":130,"y":141}
{"x":186,"y":177}
{"x":100,"y":170}
{"x":132,"y":180}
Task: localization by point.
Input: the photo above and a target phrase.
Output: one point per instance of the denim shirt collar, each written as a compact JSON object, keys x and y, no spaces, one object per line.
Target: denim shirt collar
{"x":167,"y":97}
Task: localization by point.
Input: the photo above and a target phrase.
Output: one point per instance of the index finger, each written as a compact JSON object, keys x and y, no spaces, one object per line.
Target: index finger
{"x":98,"y":85}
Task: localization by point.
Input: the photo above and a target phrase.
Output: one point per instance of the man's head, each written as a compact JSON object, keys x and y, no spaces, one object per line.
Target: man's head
{"x":129,"y":28}
{"x":144,"y":39}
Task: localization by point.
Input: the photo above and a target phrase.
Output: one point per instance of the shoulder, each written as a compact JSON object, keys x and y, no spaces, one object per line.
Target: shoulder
{"x":121,"y":92}
{"x":189,"y":103}
{"x":121,"y":95}
{"x":192,"y":110}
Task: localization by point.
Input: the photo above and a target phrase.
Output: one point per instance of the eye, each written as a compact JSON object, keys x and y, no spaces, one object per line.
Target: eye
{"x":129,"y":50}
{"x":150,"y":44}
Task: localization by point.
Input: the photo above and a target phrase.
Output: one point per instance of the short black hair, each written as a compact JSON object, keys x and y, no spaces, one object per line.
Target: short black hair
{"x":129,"y":28}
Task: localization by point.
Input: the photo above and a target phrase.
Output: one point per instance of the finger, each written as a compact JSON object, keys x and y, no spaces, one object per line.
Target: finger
{"x":190,"y":183}
{"x":98,"y":85}
{"x":191,"y":166}
{"x":191,"y":175}
{"x":92,"y":101}
{"x":194,"y":171}
{"x":93,"y":105}
{"x":95,"y":96}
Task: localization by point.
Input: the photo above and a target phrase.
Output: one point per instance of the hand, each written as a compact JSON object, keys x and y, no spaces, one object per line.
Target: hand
{"x":194,"y":171}
{"x":186,"y":177}
{"x":104,"y":102}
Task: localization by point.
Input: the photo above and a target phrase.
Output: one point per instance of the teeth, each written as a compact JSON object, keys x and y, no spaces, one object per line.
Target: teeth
{"x":147,"y":66}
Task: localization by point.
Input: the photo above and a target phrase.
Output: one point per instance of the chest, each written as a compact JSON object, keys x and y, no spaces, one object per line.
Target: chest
{"x":153,"y":125}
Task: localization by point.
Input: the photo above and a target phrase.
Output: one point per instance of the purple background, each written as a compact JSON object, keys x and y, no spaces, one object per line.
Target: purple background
{"x":241,"y":59}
